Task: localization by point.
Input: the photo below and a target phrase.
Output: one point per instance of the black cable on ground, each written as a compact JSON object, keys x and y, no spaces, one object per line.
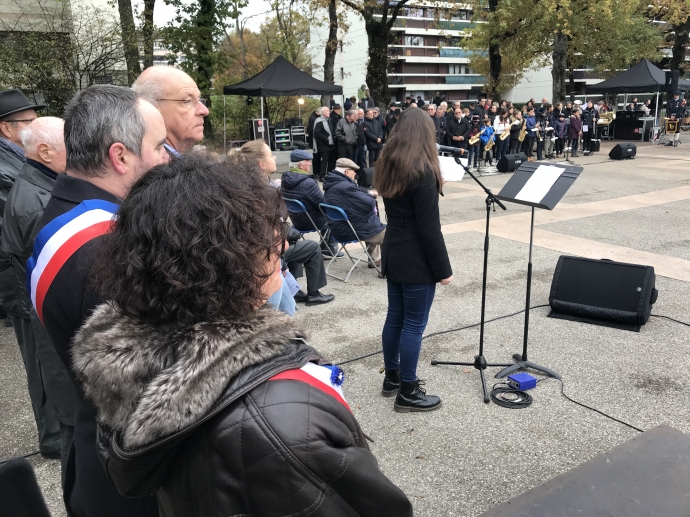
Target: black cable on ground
{"x":25,"y":456}
{"x":509,"y":397}
{"x":669,"y":318}
{"x":446,"y":332}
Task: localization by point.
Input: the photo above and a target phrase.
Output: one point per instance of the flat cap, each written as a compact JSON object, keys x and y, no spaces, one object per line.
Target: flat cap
{"x":346,"y":163}
{"x":337,"y":107}
{"x":299,"y":155}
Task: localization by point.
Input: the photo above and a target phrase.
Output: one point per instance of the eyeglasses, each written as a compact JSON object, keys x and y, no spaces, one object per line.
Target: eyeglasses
{"x":21,"y":120}
{"x":187,"y":103}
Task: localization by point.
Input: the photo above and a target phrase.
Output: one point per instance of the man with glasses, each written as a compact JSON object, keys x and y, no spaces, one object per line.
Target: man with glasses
{"x":179,"y":101}
{"x":16,"y":113}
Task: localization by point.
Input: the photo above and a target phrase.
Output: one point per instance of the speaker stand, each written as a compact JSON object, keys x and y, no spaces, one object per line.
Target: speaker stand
{"x":523,"y":363}
{"x":480,"y":363}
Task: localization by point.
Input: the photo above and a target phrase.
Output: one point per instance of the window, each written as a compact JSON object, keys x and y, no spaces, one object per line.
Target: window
{"x":416,"y":13}
{"x":455,"y":69}
{"x":414,"y":41}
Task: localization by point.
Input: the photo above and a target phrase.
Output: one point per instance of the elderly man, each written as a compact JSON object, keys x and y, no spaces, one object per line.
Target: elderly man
{"x":360,"y":148}
{"x":324,"y":141}
{"x":179,"y":101}
{"x":113,"y":137}
{"x":373,"y":132}
{"x":16,"y":112}
{"x":298,"y":184}
{"x":341,"y":190}
{"x":440,"y":125}
{"x":305,"y":255}
{"x":50,"y":390}
{"x":346,"y":135}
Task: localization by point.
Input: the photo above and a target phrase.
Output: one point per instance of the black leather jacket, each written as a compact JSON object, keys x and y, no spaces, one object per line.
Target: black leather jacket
{"x":262,"y":447}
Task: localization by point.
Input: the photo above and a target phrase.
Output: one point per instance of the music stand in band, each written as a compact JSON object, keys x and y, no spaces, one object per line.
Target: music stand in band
{"x":479,"y":362}
{"x":536,"y":186}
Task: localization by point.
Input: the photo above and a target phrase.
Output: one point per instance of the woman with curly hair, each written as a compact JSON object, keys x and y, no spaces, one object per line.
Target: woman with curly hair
{"x":206,"y":396}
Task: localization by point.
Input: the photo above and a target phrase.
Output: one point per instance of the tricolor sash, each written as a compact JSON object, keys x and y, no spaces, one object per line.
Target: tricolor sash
{"x":325,"y":378}
{"x":60,"y":239}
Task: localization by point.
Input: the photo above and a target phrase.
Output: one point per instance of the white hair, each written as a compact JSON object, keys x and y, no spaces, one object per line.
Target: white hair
{"x":432,"y":105}
{"x":150,"y":89}
{"x":43,"y":130}
{"x":320,"y":110}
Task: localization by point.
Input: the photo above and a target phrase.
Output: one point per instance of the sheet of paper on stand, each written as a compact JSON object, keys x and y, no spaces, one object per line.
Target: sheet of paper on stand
{"x":540,"y":183}
{"x":450,"y":170}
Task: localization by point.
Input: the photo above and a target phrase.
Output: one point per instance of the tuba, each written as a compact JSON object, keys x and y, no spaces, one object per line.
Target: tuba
{"x":523,"y":131}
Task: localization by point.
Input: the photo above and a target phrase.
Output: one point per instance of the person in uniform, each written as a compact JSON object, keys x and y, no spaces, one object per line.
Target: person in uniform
{"x":674,"y":110}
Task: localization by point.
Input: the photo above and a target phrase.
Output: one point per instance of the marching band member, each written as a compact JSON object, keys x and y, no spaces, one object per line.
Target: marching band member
{"x":532,"y":129}
{"x":501,"y":124}
{"x":674,"y":110}
{"x":515,"y":128}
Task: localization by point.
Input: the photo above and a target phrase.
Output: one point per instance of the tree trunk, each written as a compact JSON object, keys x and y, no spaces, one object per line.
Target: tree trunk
{"x":129,"y":40}
{"x":571,"y":78}
{"x":331,"y":49}
{"x":495,"y":60}
{"x":205,"y":59}
{"x":680,"y":40}
{"x":147,"y":31}
{"x":558,"y":72}
{"x":377,"y":68}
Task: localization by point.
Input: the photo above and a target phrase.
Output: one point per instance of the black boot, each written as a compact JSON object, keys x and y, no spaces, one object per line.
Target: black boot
{"x":412,"y":397}
{"x":391,"y":383}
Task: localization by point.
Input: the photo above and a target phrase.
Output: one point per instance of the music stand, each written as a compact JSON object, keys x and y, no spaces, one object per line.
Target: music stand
{"x":479,"y":360}
{"x":536,"y":186}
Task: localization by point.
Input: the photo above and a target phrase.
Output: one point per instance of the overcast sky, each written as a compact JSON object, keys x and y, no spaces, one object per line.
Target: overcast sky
{"x":163,"y":13}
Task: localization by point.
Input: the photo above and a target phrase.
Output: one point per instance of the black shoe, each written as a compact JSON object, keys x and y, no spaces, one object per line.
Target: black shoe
{"x":329,"y":254}
{"x":675,"y":143}
{"x":54,"y":455}
{"x":376,"y":264}
{"x":317,"y":298}
{"x":670,"y":144}
{"x":300,"y":296}
{"x":413,"y":398}
{"x":391,"y":383}
{"x":573,"y":155}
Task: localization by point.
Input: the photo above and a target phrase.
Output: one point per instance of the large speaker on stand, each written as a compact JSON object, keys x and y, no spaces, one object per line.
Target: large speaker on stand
{"x":510,"y":162}
{"x":603,"y":292}
{"x":623,"y":151}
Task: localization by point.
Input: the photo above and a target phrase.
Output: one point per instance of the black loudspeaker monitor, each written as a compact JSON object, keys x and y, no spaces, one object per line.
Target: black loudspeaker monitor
{"x":672,"y":78}
{"x":602,"y":292}
{"x":510,"y":162}
{"x":365,"y":177}
{"x":623,"y":151}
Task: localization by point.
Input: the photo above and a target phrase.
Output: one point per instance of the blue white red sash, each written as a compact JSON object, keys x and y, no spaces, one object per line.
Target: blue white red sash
{"x":325,"y":378}
{"x":60,"y":239}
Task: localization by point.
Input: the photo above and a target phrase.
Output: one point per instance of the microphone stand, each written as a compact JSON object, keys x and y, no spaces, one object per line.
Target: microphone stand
{"x":479,"y":360}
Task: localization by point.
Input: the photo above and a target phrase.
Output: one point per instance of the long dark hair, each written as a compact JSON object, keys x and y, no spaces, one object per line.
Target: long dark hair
{"x":191,"y":242}
{"x":409,"y":153}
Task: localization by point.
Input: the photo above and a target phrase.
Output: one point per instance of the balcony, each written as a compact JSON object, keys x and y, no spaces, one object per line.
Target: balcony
{"x":441,"y":25}
{"x":465,"y":79}
{"x":457,"y":52}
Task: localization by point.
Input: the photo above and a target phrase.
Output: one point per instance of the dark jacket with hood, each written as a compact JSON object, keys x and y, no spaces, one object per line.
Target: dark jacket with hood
{"x":360,"y":207}
{"x":303,"y":187}
{"x":200,"y":416}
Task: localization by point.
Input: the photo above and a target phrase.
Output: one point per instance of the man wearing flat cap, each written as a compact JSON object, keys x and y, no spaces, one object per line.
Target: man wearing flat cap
{"x":16,"y":113}
{"x":674,"y":110}
{"x":341,"y":190}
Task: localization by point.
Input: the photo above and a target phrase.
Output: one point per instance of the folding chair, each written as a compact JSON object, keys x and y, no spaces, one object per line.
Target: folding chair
{"x":295,"y":206}
{"x":335,"y":213}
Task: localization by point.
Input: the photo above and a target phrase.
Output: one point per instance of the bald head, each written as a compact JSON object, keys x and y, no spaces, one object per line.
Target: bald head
{"x":44,"y":142}
{"x":178,"y":99}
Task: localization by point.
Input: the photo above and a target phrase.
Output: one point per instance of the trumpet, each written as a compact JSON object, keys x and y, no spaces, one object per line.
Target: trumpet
{"x":476,"y":137}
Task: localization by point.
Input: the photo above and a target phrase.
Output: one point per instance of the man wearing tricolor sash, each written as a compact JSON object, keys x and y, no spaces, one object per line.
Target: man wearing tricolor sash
{"x":112,"y":138}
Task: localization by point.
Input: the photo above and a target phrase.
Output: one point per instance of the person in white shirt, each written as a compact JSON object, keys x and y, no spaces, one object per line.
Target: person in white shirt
{"x":501,"y":124}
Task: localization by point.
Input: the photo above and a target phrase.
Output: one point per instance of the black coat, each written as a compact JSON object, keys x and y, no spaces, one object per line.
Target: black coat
{"x":440,"y":127}
{"x":390,"y":124}
{"x":198,"y":415}
{"x":360,"y":207}
{"x":310,"y":124}
{"x":68,"y":303}
{"x":304,"y":188}
{"x":361,"y":137}
{"x":460,"y":127}
{"x":324,"y":142}
{"x":372,"y":131}
{"x":413,"y":250}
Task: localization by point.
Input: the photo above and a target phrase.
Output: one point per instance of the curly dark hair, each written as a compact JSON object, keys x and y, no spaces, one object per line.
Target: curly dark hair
{"x":191,"y":241}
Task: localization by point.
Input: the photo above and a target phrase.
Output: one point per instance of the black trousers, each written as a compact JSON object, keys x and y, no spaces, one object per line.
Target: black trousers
{"x":325,"y":159}
{"x":373,"y":156}
{"x":305,"y":256}
{"x":316,"y":164}
{"x":587,"y":141}
{"x":530,"y":146}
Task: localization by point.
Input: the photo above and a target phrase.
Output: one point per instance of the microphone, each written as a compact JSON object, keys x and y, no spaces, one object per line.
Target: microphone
{"x":447,"y":149}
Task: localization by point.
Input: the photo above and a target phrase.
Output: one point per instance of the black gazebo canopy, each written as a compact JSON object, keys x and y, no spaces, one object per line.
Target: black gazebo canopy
{"x":641,"y":78}
{"x":282,"y":78}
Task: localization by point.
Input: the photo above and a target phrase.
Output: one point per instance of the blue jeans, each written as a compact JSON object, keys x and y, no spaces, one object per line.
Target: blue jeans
{"x":283,"y":300}
{"x":408,"y":314}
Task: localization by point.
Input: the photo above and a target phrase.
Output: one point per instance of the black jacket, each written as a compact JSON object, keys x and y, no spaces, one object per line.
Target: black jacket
{"x":440,"y":127}
{"x":304,"y":188}
{"x":373,"y":131}
{"x":360,"y":207}
{"x":310,"y":124}
{"x":361,"y":137}
{"x":220,"y":435}
{"x":460,"y":127}
{"x":323,"y":141}
{"x":674,"y":107}
{"x":68,"y":303}
{"x":413,"y":250}
{"x":390,"y":124}
{"x":589,"y":117}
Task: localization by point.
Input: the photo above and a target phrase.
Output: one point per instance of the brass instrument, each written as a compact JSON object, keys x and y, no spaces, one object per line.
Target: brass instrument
{"x":506,"y":132}
{"x":538,"y":131}
{"x":490,"y":143}
{"x":475,"y":138}
{"x":523,"y":131}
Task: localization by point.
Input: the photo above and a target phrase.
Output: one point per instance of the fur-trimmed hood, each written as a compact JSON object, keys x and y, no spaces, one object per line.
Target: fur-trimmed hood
{"x":149,"y":382}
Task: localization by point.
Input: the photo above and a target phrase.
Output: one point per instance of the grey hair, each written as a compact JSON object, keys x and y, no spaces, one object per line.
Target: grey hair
{"x":95,"y":119}
{"x":150,"y":89}
{"x":44,"y":130}
{"x":368,"y":110}
{"x":432,"y":105}
{"x":351,"y":113}
{"x":320,"y":110}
